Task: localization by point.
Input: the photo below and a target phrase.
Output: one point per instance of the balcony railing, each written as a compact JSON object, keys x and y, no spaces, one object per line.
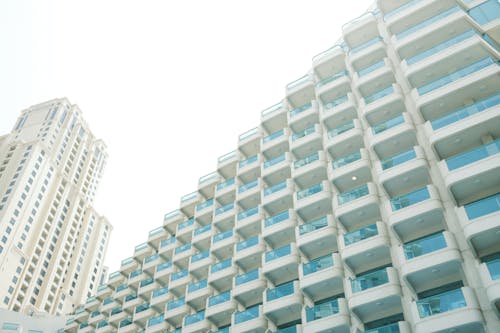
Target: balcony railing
{"x":247,"y":243}
{"x":200,"y":256}
{"x":299,"y":81}
{"x":174,"y":304}
{"x":313,"y":225}
{"x":163,"y":266}
{"x":160,"y":292}
{"x":248,"y":133}
{"x":371,"y":68}
{"x":317,"y":264}
{"x":205,"y":204}
{"x":189,"y":196}
{"x":289,"y":329}
{"x":393,"y":122}
{"x":306,"y":160}
{"x":225,"y":184}
{"x":278,"y":253}
{"x":206,"y":178}
{"x":409,"y":199}
{"x":248,"y":213}
{"x":221,"y":265}
{"x":250,"y":160}
{"x":309,"y":191}
{"x":246,"y":277}
{"x":182,"y":248}
{"x":205,"y":228}
{"x":400,"y":9}
{"x":246,"y":315}
{"x":398,"y":159}
{"x":473,"y":155}
{"x":276,"y":188}
{"x":135,"y":273}
{"x":360,"y":234}
{"x":335,"y":102}
{"x":391,"y":328}
{"x":494,"y":268}
{"x":220,"y":298}
{"x":227,"y":156}
{"x":483,"y":206}
{"x":353,"y":194}
{"x":365,"y":45}
{"x":466,"y":111}
{"x":322,"y":310}
{"x":303,"y":133}
{"x":369,"y":280}
{"x":280,"y":291}
{"x":273,"y":136}
{"x":276,"y":218}
{"x":223,"y":209}
{"x":341,"y":129}
{"x":222,"y":236}
{"x":156,"y":231}
{"x":194,"y":318}
{"x":452,"y":77}
{"x":332,"y":78}
{"x":141,"y":308}
{"x":424,"y":245}
{"x":247,"y":186}
{"x":185,"y":224}
{"x":168,"y":241}
{"x":300,"y":109}
{"x":121,"y":287}
{"x":197,"y":286}
{"x":427,"y":22}
{"x":146,"y":282}
{"x":156,"y":320}
{"x":441,"y":303}
{"x":272,"y":109}
{"x":274,"y":161}
{"x":151,"y":258}
{"x":178,"y":275}
{"x":346,"y":160}
{"x":379,"y":94}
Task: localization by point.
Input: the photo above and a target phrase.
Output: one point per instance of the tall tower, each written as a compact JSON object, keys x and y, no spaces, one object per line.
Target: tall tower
{"x":52,"y":241}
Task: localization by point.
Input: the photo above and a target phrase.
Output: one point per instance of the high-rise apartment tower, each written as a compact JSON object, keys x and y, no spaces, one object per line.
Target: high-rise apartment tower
{"x":52,"y":241}
{"x":367,"y":200}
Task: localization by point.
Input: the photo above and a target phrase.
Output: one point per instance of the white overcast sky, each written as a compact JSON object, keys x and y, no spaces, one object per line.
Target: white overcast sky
{"x":168,"y":85}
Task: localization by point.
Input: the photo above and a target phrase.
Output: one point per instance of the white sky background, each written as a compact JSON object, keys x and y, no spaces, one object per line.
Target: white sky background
{"x":168,"y":85}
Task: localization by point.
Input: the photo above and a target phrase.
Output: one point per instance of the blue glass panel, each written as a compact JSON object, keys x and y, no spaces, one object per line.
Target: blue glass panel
{"x":317,"y":264}
{"x":246,"y":277}
{"x":441,"y":303}
{"x":322,"y":310}
{"x":280,"y":291}
{"x":278,"y":253}
{"x":494,"y":268}
{"x":246,"y":315}
{"x":247,"y":243}
{"x":276,"y":218}
{"x":473,"y":155}
{"x":370,"y":280}
{"x":353,"y":194}
{"x":398,"y":159}
{"x":360,"y":234}
{"x":313,"y":225}
{"x":483,"y":207}
{"x":409,"y":199}
{"x":423,"y":246}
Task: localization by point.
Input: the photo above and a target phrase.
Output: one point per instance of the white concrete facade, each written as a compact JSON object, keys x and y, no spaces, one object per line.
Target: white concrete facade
{"x":52,"y":242}
{"x":367,"y":200}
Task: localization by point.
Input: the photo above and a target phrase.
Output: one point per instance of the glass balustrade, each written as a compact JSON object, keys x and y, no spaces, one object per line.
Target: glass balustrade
{"x":183,"y":248}
{"x":168,"y":241}
{"x":174,"y":304}
{"x":400,"y":9}
{"x":156,"y":320}
{"x":370,"y":280}
{"x":248,"y":213}
{"x":301,"y":134}
{"x":393,"y":122}
{"x":130,"y":297}
{"x":305,"y":161}
{"x":225,"y":184}
{"x":223,"y":209}
{"x":178,"y":275}
{"x":197,"y":286}
{"x":102,"y":324}
{"x":473,"y":155}
{"x":371,"y":68}
{"x":283,"y":216}
{"x":247,"y":243}
{"x":341,"y":129}
{"x":248,"y":161}
{"x":313,"y":225}
{"x":121,"y":287}
{"x":222,"y":236}
{"x":272,"y":109}
{"x":441,"y":303}
{"x":309,"y":191}
{"x":424,"y":245}
{"x":353,"y":194}
{"x":249,"y":133}
{"x":146,"y":282}
{"x":151,"y":258}
{"x":221,"y":265}
{"x":156,"y":231}
{"x":494,"y":268}
{"x":398,"y":159}
{"x":290,"y":329}
{"x":391,"y":328}
{"x":427,"y":22}
{"x":185,"y":224}
{"x":365,"y":45}
{"x":275,"y":188}
{"x":278,"y":253}
{"x":348,"y":159}
{"x":486,"y":12}
{"x":208,"y":177}
{"x":141,"y":308}
{"x":116,"y":311}
{"x":160,"y":292}
{"x":379,"y":94}
{"x":280,"y":291}
{"x":273,"y":136}
{"x":127,"y":261}
{"x":300,"y":109}
{"x":360,"y":234}
{"x":205,"y":228}
{"x":220,"y":298}
{"x":108,"y":300}
{"x":194,"y":318}
{"x":335,"y":102}
{"x":317,"y":264}
{"x":300,"y":81}
{"x":246,"y":277}
{"x":227,"y":156}
{"x":189,"y":196}
{"x":410,"y":199}
{"x":452,"y":77}
{"x":200,"y":256}
{"x":246,"y":315}
{"x":332,"y":78}
{"x":322,"y":310}
{"x":274,"y":161}
{"x":483,"y":207}
{"x":172,"y":214}
{"x":466,"y":111}
{"x":205,"y":204}
{"x":163,"y":266}
{"x":95,"y":314}
{"x":248,"y":186}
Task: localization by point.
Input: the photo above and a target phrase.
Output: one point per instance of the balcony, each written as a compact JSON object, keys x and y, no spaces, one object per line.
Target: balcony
{"x":369,"y":292}
{"x":157,"y":324}
{"x":207,"y":183}
{"x":278,"y":197}
{"x":283,"y":303}
{"x":300,"y":91}
{"x":373,"y":48}
{"x":327,"y":315}
{"x":197,"y":294}
{"x":225,"y":191}
{"x":249,"y":169}
{"x":128,"y":265}
{"x":103,"y":292}
{"x":200,"y":263}
{"x":472,"y":172}
{"x":307,"y":141}
{"x":338,"y":110}
{"x":163,"y":271}
{"x":357,"y":206}
{"x":317,"y":237}
{"x":248,"y":252}
{"x":226,"y":164}
{"x":279,"y":229}
{"x":313,"y":201}
{"x":249,"y":142}
{"x":108,"y":305}
{"x":196,"y":323}
{"x":222,"y":244}
{"x":456,"y":309}
{"x":203,"y":234}
{"x":204,"y":212}
{"x":224,"y":216}
{"x":309,"y":170}
{"x":350,"y":171}
{"x":329,"y":61}
{"x":303,"y":116}
{"x":142,"y":313}
{"x":220,"y":307}
{"x":249,"y":221}
{"x":358,"y":31}
{"x":249,"y":320}
{"x":159,"y":298}
{"x":373,"y":75}
{"x":417,"y":213}
{"x":155,"y":235}
{"x":277,"y":169}
{"x":392,"y":136}
{"x":178,"y":282}
{"x":428,"y":261}
{"x":175,"y":311}
{"x":383,"y":104}
{"x":249,"y":193}
{"x":366,"y":248}
{"x":188,"y":202}
{"x":116,"y":278}
{"x":171,"y":220}
{"x":185,"y":230}
{"x":167,"y":246}
{"x":404,"y":171}
{"x":149,"y":264}
{"x":479,"y":220}
{"x":489,"y":273}
{"x":274,"y":117}
{"x":248,"y":287}
{"x":182,"y":254}
{"x":322,"y":277}
{"x":276,"y":143}
{"x":344,"y":139}
{"x":280,"y":265}
{"x":130,"y":302}
{"x":334,"y":85}
{"x":221,"y":274}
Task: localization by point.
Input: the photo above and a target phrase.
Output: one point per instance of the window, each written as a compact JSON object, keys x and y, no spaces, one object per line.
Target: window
{"x":10,"y":326}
